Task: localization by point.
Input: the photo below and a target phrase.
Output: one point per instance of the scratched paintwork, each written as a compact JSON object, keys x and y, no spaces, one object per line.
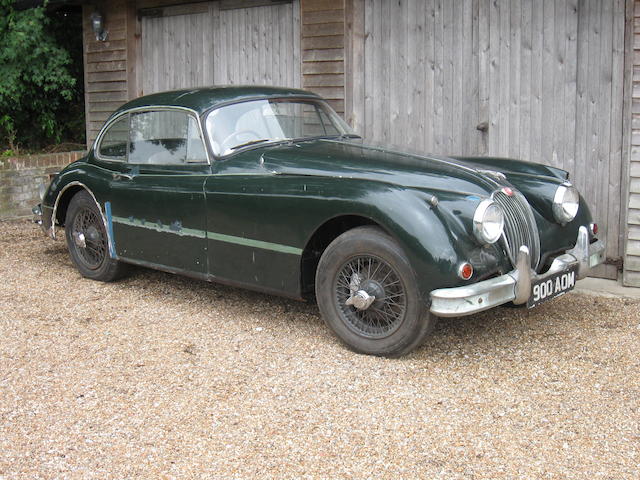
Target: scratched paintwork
{"x":248,"y":219}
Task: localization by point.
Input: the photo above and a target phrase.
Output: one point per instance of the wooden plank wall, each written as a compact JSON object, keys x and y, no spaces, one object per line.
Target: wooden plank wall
{"x":631,"y":274}
{"x":259,"y":45}
{"x":546,"y":79}
{"x":415,"y":72}
{"x":555,"y":77}
{"x":105,"y":65}
{"x":323,"y":53}
{"x":204,"y":44}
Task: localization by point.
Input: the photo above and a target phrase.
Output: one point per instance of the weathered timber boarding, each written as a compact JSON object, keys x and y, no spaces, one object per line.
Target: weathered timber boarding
{"x":323,"y":40}
{"x":220,"y":43}
{"x":555,"y":81}
{"x":631,"y":275}
{"x":160,"y":45}
{"x":105,"y":65}
{"x":537,"y":81}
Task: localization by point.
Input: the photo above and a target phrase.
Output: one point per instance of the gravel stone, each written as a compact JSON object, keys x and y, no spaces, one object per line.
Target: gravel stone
{"x":159,"y":376}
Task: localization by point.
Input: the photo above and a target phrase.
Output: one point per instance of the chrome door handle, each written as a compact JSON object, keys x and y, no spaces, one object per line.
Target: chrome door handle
{"x":122,"y":176}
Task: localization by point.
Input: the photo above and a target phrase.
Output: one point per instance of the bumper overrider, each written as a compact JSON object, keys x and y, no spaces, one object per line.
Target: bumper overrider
{"x":38,"y":217}
{"x":37,"y":214}
{"x":516,"y":286}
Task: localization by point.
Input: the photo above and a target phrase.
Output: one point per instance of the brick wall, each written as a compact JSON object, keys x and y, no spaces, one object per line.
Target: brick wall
{"x":21,"y":177}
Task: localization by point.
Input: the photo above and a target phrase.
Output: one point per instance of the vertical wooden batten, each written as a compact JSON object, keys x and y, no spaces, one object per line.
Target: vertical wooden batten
{"x":631,"y":171}
{"x":322,"y":34}
{"x":354,"y":63}
{"x":134,"y":57}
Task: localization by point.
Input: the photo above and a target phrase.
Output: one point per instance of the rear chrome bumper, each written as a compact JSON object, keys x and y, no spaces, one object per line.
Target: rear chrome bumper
{"x":515,"y":286}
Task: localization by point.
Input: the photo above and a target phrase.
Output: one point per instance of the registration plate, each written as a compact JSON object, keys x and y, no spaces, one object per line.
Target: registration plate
{"x":553,"y":286}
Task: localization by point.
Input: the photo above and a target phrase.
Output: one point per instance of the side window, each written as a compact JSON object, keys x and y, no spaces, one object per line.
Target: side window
{"x":114,"y":142}
{"x":164,"y":138}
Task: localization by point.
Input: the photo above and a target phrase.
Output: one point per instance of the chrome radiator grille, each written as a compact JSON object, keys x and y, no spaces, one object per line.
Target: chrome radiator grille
{"x":519,"y":225}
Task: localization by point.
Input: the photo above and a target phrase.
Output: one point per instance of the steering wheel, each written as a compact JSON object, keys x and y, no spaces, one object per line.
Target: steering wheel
{"x":227,"y":141}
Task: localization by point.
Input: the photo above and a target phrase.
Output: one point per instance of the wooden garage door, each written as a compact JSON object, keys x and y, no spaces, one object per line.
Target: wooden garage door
{"x":217,"y":43}
{"x":537,"y":80}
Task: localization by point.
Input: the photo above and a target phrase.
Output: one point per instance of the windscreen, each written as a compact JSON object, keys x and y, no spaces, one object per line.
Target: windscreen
{"x":239,"y":125}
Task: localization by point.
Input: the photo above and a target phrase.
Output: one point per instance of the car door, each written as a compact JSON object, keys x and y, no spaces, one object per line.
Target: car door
{"x":253,"y":236}
{"x":156,"y":194}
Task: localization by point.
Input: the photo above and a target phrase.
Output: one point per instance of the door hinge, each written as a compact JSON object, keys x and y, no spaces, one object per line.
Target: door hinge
{"x":615,"y":261}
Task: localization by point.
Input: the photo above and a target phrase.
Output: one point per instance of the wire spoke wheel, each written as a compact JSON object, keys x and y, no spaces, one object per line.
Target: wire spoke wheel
{"x":370,"y":276}
{"x":90,"y":241}
{"x":87,"y":240}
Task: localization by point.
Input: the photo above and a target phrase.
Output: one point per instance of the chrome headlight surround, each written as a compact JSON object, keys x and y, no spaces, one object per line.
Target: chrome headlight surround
{"x":488,"y":221}
{"x":566,"y":202}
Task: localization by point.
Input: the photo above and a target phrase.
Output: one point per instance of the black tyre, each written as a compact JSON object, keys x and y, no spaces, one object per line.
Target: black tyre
{"x":367,"y":293}
{"x":87,"y":240}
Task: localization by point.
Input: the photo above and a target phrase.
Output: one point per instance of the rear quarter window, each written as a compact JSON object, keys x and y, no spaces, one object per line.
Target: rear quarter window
{"x":114,"y":142}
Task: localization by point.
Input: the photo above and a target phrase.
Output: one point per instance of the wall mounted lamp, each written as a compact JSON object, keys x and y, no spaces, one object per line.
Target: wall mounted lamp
{"x":97,"y":25}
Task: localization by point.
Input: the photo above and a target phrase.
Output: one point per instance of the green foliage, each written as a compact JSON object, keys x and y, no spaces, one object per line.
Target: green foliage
{"x":37,"y":85}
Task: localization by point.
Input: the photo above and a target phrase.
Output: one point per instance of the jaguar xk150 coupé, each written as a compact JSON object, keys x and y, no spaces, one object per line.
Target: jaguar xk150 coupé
{"x":268,"y":188}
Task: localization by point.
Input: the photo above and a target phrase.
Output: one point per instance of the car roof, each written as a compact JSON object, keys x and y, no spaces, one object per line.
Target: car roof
{"x":203,"y":99}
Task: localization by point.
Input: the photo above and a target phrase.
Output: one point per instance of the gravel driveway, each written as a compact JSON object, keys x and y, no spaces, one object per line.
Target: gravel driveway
{"x":158,"y":376}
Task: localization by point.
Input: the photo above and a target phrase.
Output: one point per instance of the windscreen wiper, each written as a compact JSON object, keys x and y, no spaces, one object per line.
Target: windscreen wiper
{"x":325,"y":137}
{"x":251,"y":142}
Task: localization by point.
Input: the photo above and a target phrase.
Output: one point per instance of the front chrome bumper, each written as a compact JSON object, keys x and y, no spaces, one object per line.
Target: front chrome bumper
{"x":515,"y":286}
{"x":37,"y":214}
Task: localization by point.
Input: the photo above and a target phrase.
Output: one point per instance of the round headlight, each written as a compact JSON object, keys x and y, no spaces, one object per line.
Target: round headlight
{"x":565,"y":203}
{"x":488,"y":221}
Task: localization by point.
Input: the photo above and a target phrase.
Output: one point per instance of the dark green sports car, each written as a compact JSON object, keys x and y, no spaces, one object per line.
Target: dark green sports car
{"x":267,"y":188}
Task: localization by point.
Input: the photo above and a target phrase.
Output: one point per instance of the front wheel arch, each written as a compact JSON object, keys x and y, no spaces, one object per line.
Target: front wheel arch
{"x":318,"y":243}
{"x":389,"y":286}
{"x":91,"y":250}
{"x":63,"y":199}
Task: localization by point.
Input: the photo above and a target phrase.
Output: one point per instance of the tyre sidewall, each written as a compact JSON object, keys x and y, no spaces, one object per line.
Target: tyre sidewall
{"x":108,"y":269}
{"x":371,"y":241}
